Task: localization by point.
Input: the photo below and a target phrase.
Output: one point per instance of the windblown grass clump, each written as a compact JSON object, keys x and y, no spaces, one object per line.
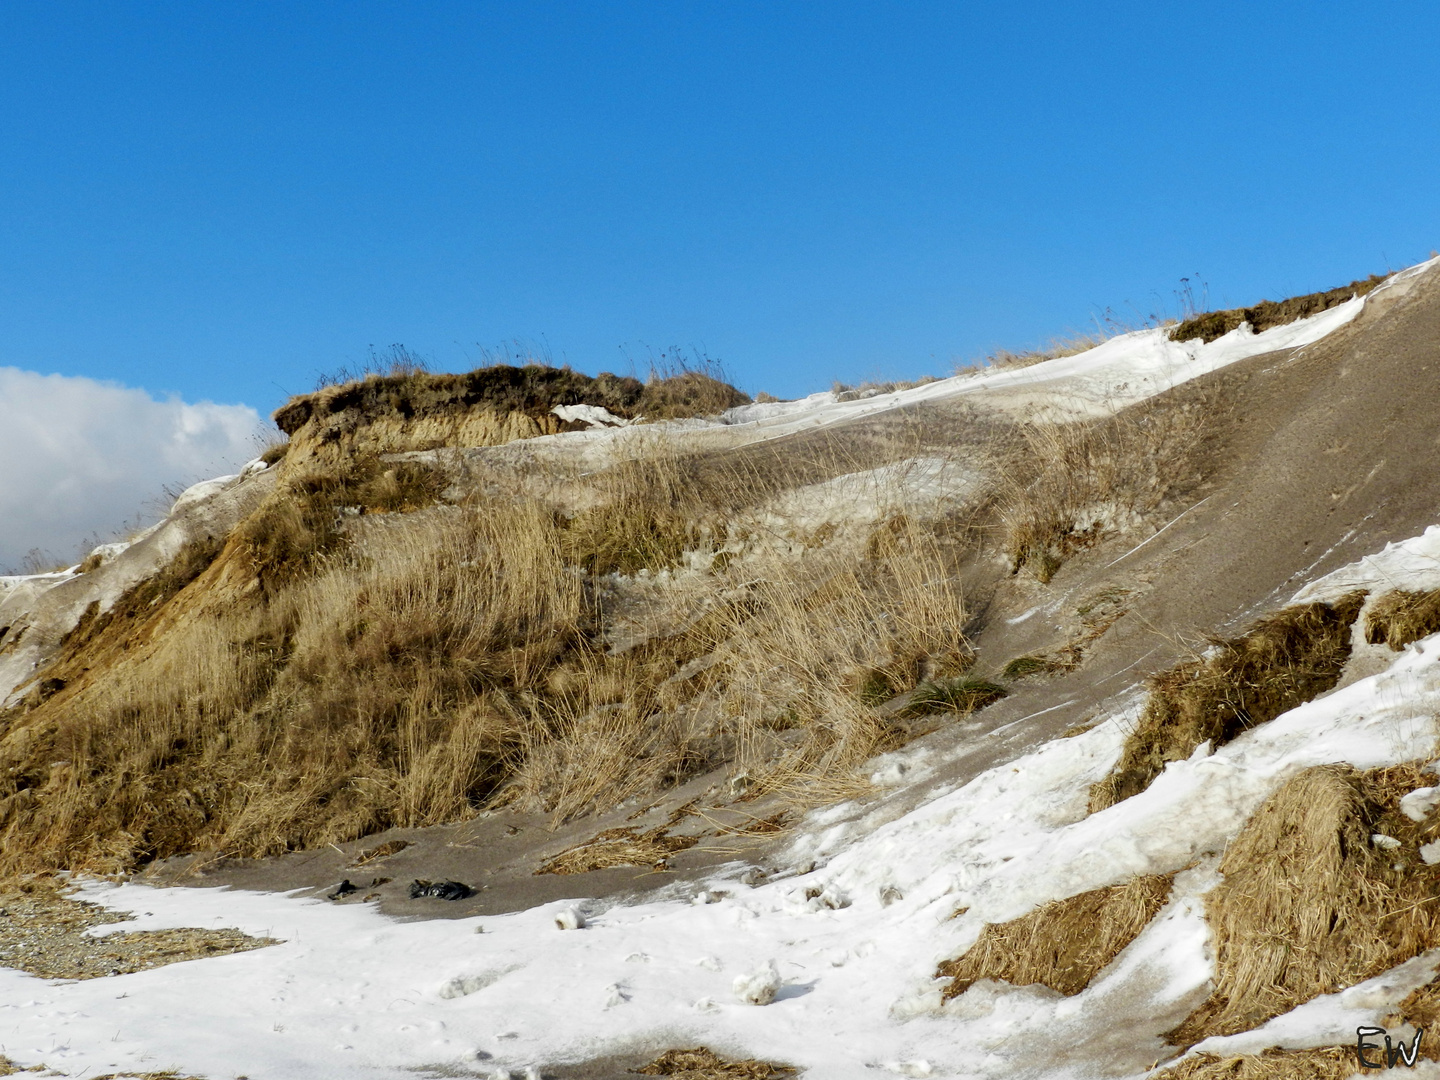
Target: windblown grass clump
{"x":1403,"y":616}
{"x":1075,"y":482}
{"x":1310,"y":903}
{"x":1063,"y":944}
{"x":1057,"y":349}
{"x":1285,"y":660}
{"x":1022,"y":667}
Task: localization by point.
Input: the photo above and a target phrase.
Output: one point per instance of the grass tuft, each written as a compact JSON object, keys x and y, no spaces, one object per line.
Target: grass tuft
{"x":624,"y":846}
{"x":1309,"y":904}
{"x":1400,"y":617}
{"x":1318,"y":1063}
{"x":953,"y":695}
{"x":1032,"y":664}
{"x":1063,"y":944}
{"x":1074,"y":483}
{"x":1269,"y":313}
{"x":1283,"y":661}
{"x":704,"y":1064}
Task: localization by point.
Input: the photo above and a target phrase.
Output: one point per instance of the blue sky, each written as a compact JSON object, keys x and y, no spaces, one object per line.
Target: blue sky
{"x":219,"y":201}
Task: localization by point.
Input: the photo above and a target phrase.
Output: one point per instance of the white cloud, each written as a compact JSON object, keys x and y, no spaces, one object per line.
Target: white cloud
{"x":80,"y":458}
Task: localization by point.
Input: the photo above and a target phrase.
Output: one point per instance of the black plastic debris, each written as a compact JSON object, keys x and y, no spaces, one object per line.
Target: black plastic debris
{"x":345,"y":888}
{"x":440,"y":890}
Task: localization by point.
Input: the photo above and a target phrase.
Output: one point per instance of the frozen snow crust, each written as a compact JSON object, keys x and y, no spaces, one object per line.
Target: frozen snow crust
{"x":829,"y":969}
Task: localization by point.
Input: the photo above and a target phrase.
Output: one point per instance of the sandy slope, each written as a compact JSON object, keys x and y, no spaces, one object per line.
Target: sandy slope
{"x":1327,"y":452}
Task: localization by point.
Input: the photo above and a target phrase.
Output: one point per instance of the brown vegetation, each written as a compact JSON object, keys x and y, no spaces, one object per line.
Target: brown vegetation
{"x":952,"y":695}
{"x":624,"y":846}
{"x":1057,"y":348}
{"x":1075,"y":482}
{"x":1310,"y":904}
{"x":532,"y":390}
{"x":1063,"y":944}
{"x":406,"y":667}
{"x":1320,"y":1063}
{"x":704,"y":1064}
{"x":1400,"y":617}
{"x":1284,"y":660}
{"x":1421,"y":1010}
{"x":1269,"y":313}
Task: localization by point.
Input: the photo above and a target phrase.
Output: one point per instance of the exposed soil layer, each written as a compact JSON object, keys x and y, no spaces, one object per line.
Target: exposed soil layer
{"x":1270,"y":313}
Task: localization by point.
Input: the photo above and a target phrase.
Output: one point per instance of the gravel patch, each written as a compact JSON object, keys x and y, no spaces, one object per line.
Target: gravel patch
{"x":42,"y":932}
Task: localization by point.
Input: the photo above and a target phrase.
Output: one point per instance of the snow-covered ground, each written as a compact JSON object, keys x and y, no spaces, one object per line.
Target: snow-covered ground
{"x":1123,"y":371}
{"x":352,"y":993}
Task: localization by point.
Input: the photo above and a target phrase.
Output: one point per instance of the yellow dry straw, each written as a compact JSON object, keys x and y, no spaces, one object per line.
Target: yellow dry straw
{"x":1063,"y":944}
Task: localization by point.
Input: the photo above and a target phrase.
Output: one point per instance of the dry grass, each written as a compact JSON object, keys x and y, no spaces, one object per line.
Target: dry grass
{"x":703,"y":1064}
{"x":1063,"y":944}
{"x":952,"y":695}
{"x":1269,"y":313}
{"x":624,"y":846}
{"x":1284,"y":660}
{"x":1320,"y":1063}
{"x":1421,"y":1010}
{"x":1057,"y":348}
{"x":1022,"y":667}
{"x":1309,"y":905}
{"x":500,"y":390}
{"x":815,"y":630}
{"x":9,"y":1068}
{"x":1400,"y":617}
{"x":303,"y":519}
{"x":274,"y":451}
{"x":380,"y":851}
{"x":405,"y":669}
{"x":380,"y":692}
{"x":845,"y":392}
{"x":1074,"y":483}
